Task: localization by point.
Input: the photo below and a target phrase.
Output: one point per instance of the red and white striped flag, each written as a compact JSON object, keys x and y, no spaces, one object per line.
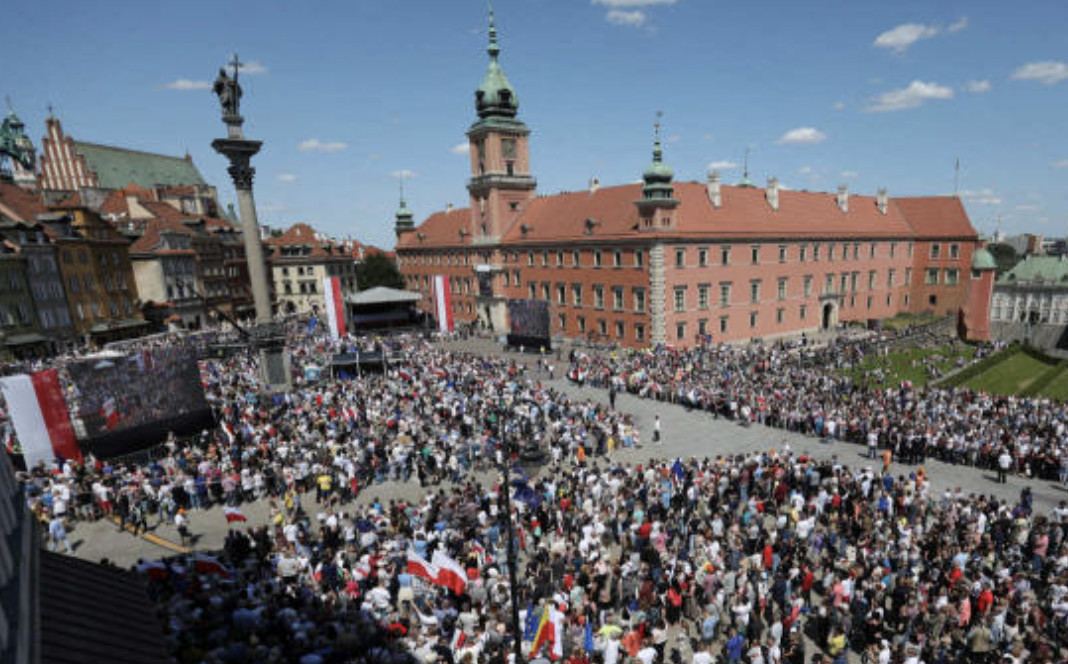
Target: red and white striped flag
{"x":418,"y":566}
{"x":39,"y":414}
{"x":451,"y":574}
{"x":443,"y":303}
{"x":205,"y":564}
{"x":335,"y":307}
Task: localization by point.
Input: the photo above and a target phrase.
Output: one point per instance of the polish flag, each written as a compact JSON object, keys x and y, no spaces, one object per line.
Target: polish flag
{"x":39,"y":414}
{"x":443,"y":303}
{"x":233,"y":514}
{"x":110,"y":413}
{"x":418,"y":566}
{"x":205,"y":564}
{"x":451,"y":574}
{"x":459,"y":638}
{"x":335,"y":307}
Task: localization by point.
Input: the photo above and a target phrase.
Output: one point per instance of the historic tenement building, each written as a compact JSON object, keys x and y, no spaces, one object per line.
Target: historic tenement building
{"x":680,"y":262}
{"x":299,"y":260}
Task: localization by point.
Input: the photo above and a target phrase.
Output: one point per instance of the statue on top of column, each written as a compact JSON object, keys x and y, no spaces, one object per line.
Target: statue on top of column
{"x":228,"y":90}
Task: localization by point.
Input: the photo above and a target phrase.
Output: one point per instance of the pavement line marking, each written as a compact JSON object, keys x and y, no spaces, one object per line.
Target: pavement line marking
{"x":154,"y":539}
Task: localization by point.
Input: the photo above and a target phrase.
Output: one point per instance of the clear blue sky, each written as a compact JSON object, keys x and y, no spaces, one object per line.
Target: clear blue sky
{"x":865,"y":93}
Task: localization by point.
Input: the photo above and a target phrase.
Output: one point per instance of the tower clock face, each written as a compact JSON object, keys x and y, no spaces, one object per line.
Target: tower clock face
{"x":508,"y":148}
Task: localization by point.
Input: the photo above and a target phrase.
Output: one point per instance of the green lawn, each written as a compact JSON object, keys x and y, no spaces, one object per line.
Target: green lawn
{"x":909,"y":364}
{"x":1012,"y":375}
{"x":1058,"y":389}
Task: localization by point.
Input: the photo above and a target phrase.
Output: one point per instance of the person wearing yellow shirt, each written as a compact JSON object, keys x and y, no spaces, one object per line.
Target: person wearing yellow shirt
{"x":836,"y":646}
{"x":324,"y":483}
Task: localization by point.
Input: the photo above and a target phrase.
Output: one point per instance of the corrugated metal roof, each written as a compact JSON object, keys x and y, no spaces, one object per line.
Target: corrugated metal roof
{"x":91,"y":613}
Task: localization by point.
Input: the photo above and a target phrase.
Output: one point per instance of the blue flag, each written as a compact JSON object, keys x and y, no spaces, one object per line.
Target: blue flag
{"x":589,"y":636}
{"x":311,"y":326}
{"x":531,"y":628}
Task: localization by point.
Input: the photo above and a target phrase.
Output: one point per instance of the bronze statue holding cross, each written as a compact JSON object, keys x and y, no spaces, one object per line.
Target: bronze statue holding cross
{"x":228,"y":90}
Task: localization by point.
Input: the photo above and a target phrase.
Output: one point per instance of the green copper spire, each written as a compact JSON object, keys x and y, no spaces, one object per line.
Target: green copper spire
{"x":495,"y":97}
{"x":658,"y":175}
{"x":403,"y":220}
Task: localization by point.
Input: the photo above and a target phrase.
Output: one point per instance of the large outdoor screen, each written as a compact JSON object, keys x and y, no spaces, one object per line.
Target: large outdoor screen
{"x":529,"y":320}
{"x":127,"y":402}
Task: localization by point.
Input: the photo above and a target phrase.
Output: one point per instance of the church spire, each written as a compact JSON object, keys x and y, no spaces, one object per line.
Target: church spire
{"x":403,"y":220}
{"x":658,"y":175}
{"x":493,"y":50}
{"x":495,"y":97}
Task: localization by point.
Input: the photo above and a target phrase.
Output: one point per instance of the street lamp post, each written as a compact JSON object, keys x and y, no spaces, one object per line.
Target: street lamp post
{"x":513,"y":567}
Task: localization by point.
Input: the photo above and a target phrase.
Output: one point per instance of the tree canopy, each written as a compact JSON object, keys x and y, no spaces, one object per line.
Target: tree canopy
{"x":378,"y":270}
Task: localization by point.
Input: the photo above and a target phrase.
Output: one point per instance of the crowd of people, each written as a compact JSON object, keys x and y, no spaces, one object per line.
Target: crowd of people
{"x":804,"y":389}
{"x":771,"y":558}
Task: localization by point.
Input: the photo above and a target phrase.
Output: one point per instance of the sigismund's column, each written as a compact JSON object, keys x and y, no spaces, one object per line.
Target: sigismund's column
{"x":267,"y":337}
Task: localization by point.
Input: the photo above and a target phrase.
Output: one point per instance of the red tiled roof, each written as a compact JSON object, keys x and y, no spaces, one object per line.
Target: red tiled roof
{"x":115,"y":204}
{"x":161,"y":210}
{"x":19,"y":203}
{"x":75,"y":200}
{"x":937,"y":216}
{"x":439,"y":228}
{"x":744,"y":212}
{"x":301,"y":235}
{"x":149,"y":241}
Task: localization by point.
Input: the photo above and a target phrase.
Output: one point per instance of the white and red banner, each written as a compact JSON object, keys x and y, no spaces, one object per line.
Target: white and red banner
{"x":420,"y":567}
{"x":335,"y":307}
{"x":451,"y":574}
{"x":40,"y":416}
{"x":443,"y":303}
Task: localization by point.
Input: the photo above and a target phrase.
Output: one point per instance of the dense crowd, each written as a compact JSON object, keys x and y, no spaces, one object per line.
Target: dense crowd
{"x":763,"y":559}
{"x":804,"y":389}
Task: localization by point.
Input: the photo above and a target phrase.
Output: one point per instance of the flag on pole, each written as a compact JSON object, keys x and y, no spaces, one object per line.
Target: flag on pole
{"x":589,"y":636}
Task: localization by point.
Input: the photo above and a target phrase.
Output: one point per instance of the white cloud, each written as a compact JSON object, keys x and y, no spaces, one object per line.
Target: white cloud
{"x":187,"y":84}
{"x":902,"y":37}
{"x":634,"y":19}
{"x":804,"y":170}
{"x":978,"y":86}
{"x":674,"y":138}
{"x":802,"y":136}
{"x":981,"y":196}
{"x":1048,"y":72}
{"x":838,"y":105}
{"x":1063,"y":163}
{"x":1026,"y":208}
{"x":287,"y":177}
{"x":914,"y":95}
{"x":251,"y":68}
{"x":957,"y":26}
{"x":723,"y":165}
{"x":315,"y":145}
{"x":461,"y":148}
{"x":403,"y":173}
{"x":849,"y":175}
{"x":707,"y":136}
{"x":633,"y":3}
